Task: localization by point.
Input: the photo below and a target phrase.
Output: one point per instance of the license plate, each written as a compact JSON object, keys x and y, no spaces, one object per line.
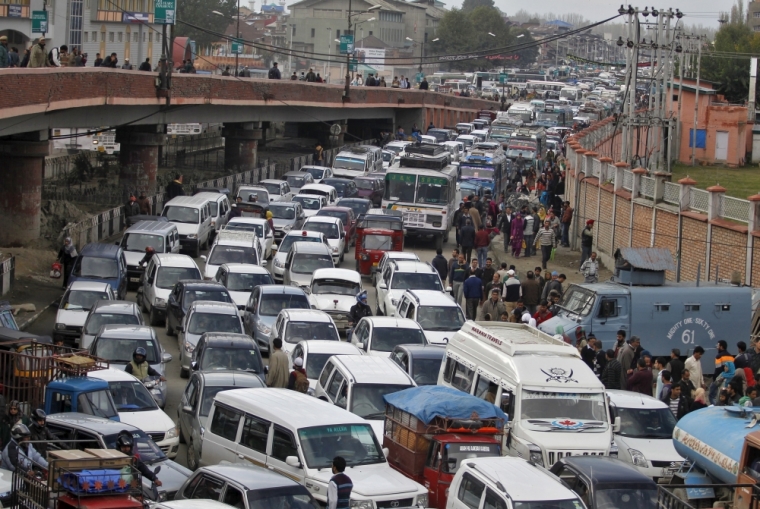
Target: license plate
{"x":134,"y":280}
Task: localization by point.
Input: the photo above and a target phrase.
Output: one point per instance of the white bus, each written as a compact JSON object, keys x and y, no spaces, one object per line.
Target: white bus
{"x":571,"y":93}
{"x":424,"y":188}
{"x":184,"y":129}
{"x":545,"y":86}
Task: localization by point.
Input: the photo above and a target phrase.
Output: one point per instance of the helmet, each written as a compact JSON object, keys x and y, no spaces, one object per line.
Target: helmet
{"x":19,"y":431}
{"x":139,"y":351}
{"x":39,"y":415}
{"x":362,"y":297}
{"x":124,"y":440}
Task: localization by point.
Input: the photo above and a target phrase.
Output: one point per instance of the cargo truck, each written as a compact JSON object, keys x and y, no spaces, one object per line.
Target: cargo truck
{"x":431,"y":430}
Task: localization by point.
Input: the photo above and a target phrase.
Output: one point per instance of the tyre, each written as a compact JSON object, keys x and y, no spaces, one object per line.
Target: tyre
{"x":340,"y":260}
{"x":378,"y":312}
{"x":192,"y":459}
{"x":197,"y":251}
{"x":446,"y":236}
{"x":153,"y":318}
{"x":346,"y":246}
{"x":184,"y":373}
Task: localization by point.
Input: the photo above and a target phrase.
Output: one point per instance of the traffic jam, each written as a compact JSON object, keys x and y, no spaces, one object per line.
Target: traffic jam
{"x":289,"y":344}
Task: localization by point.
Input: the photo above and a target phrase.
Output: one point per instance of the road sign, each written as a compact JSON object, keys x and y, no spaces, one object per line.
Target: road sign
{"x":419,"y":77}
{"x":346,"y":44}
{"x":237,"y":46}
{"x":335,"y":129}
{"x":353,"y":65}
{"x":39,"y":22}
{"x":502,"y":78}
{"x":165,"y":12}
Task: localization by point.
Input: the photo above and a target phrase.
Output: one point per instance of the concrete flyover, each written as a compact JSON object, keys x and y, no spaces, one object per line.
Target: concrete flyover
{"x":90,"y":97}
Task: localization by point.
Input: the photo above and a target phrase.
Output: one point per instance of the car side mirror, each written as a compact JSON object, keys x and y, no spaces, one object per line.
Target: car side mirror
{"x":187,"y":409}
{"x":249,"y":309}
{"x":150,"y":280}
{"x":116,"y":243}
{"x":194,"y":366}
{"x":307,"y":290}
{"x":448,"y":289}
{"x":383,"y":286}
{"x":203,"y":257}
{"x":386,"y":451}
{"x":360,"y":346}
{"x":287,"y":266}
{"x":616,"y":425}
{"x":293,"y":461}
{"x":166,"y":357}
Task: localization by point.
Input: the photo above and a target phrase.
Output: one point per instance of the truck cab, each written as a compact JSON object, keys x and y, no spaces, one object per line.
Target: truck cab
{"x":84,"y":395}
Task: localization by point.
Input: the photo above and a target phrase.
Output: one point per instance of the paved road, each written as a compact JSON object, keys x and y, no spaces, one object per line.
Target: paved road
{"x":176,"y":385}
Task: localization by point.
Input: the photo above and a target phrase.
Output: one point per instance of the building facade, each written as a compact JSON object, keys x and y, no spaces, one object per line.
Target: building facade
{"x":753,"y":15}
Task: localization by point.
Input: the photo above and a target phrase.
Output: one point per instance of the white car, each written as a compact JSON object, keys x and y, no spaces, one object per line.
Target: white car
{"x":389,"y":157}
{"x":334,"y":291}
{"x":399,"y":276}
{"x":397,"y":147}
{"x":311,"y":203}
{"x":332,"y":227}
{"x":240,"y":279}
{"x":645,"y":433}
{"x":315,"y":353}
{"x":279,"y":190}
{"x":295,"y":325}
{"x":436,"y":312}
{"x":278,"y":260}
{"x":258,"y":225}
{"x":137,"y":407}
{"x":6,"y":488}
{"x":233,"y":247}
{"x":379,"y":335}
{"x":328,"y":192}
{"x":75,"y":306}
{"x":391,"y":255}
{"x":247,"y":193}
{"x":318,"y":172}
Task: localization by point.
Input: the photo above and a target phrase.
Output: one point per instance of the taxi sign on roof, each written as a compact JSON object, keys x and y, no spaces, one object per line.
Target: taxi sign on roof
{"x":516,"y":339}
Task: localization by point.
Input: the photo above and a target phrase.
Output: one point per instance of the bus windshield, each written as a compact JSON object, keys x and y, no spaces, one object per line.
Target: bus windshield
{"x":477,"y":172}
{"x":400,"y":187}
{"x":349,"y":163}
{"x":432,"y":190}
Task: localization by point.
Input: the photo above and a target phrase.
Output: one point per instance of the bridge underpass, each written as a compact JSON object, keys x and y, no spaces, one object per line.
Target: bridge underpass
{"x":127,"y":100}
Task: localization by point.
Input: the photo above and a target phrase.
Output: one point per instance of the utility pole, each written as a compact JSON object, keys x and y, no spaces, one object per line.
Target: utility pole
{"x":346,"y":89}
{"x":696,"y":104}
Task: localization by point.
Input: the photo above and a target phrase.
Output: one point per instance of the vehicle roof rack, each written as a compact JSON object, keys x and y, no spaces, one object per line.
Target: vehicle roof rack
{"x":425,"y":149}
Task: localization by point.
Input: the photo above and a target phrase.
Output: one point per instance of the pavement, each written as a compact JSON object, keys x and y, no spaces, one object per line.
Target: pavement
{"x":44,"y":294}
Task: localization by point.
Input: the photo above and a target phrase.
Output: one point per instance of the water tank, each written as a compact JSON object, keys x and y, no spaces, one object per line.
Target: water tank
{"x":713,"y":439}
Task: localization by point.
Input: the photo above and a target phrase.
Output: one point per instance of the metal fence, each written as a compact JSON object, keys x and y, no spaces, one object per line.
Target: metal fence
{"x":628,"y":180}
{"x":59,"y":165}
{"x":647,"y":187}
{"x":699,"y":200}
{"x":734,"y":208}
{"x":672,"y":193}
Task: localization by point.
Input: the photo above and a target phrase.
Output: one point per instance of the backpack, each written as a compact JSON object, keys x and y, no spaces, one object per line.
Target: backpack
{"x":302,"y":383}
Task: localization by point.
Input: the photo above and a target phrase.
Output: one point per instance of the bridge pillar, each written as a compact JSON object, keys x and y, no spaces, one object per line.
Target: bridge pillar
{"x":21,"y":190}
{"x":240,"y":144}
{"x":138,"y":158}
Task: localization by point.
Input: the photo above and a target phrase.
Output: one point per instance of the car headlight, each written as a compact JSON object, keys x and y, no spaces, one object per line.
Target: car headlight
{"x":160,"y":303}
{"x":189,"y":347}
{"x":394,"y":302}
{"x":263,"y":328}
{"x":334,"y":250}
{"x":535,"y":455}
{"x":422,"y":500}
{"x":287,"y":227}
{"x":60,"y":326}
{"x":362,"y":504}
{"x":192,"y":236}
{"x":279,"y":264}
{"x":172,"y":433}
{"x":637,"y":458}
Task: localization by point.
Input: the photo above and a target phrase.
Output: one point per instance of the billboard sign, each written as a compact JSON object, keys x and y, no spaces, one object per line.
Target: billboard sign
{"x":371,"y":57}
{"x":165,"y":12}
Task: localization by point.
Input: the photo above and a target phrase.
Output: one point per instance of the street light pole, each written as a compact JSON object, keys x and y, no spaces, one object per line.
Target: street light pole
{"x":348,"y":56}
{"x":237,"y":31}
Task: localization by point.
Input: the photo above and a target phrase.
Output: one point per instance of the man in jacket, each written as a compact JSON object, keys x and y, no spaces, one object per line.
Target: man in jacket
{"x":512,"y":291}
{"x":174,"y":188}
{"x":278,"y":366}
{"x":131,"y":208}
{"x":440,"y":264}
{"x":492,"y":309}
{"x":626,"y":355}
{"x":274,"y":72}
{"x":143,"y":203}
{"x":472,"y":210}
{"x":139,"y":368}
{"x":675,"y":366}
{"x":310,"y":76}
{"x":145,"y":66}
{"x":640,"y":380}
{"x":552,"y":284}
{"x":467,"y":238}
{"x":587,"y":240}
{"x":458,"y":220}
{"x":38,"y":57}
{"x":531,"y":292}
{"x":567,"y":219}
{"x":473,"y":295}
{"x":612,"y":372}
{"x":125,"y":444}
{"x":504,"y":224}
{"x":457,"y":276}
{"x":19,"y":455}
{"x":676,"y":402}
{"x":493,"y":284}
{"x":359,"y":310}
{"x":482,"y":241}
{"x":590,"y":269}
{"x":339,"y":487}
{"x":41,"y":435}
{"x":5,"y":60}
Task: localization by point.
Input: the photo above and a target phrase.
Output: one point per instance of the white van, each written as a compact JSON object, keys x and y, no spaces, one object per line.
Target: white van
{"x":357,"y":383}
{"x":357,"y":161}
{"x":161,"y":274}
{"x":539,"y":381}
{"x":298,"y":436}
{"x":220,"y":209}
{"x":192,"y":215}
{"x":329,"y":192}
{"x":501,"y":483}
{"x":160,"y":235}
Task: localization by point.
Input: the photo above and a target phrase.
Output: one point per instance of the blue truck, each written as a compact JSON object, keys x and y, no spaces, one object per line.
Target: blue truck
{"x":80,"y":394}
{"x":664,"y":315}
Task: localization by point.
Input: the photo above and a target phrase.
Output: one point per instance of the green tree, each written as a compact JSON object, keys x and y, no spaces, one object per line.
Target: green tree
{"x":199,"y":13}
{"x":471,"y":5}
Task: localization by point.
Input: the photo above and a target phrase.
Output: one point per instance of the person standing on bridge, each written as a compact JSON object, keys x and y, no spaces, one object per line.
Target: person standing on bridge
{"x":174,"y":188}
{"x":145,"y":66}
{"x":39,"y":55}
{"x":4,"y":56}
{"x":274,"y":72}
{"x":319,"y":155}
{"x":67,"y":255}
{"x":424,"y":86}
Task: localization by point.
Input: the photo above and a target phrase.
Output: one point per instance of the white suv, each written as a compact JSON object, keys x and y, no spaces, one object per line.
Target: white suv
{"x":233,"y":247}
{"x":334,"y":291}
{"x":399,"y":276}
{"x":282,"y":250}
{"x":332,"y":227}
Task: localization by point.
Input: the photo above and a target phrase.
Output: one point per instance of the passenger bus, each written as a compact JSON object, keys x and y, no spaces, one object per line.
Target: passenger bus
{"x":571,"y":93}
{"x":487,"y":169}
{"x":520,"y":80}
{"x":440,"y":77}
{"x":424,"y":188}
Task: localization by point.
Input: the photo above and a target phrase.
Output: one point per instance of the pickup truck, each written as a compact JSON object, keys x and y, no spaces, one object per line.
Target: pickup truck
{"x":431,"y":430}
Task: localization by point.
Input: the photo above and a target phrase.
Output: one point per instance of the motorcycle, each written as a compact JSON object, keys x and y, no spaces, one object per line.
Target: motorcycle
{"x":152,"y":384}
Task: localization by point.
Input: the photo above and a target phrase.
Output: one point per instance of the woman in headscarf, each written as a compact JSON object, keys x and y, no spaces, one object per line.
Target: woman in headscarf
{"x":13,"y":414}
{"x":517,"y":235}
{"x":67,"y":256}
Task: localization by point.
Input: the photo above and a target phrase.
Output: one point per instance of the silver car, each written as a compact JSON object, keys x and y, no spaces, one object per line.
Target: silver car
{"x":205,"y":316}
{"x":109,"y":312}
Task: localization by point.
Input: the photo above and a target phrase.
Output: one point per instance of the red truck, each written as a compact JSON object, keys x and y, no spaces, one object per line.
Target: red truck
{"x":430,"y":430}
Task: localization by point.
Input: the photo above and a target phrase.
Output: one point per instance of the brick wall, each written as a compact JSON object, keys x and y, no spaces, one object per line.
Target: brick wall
{"x":728,"y":252}
{"x":622,"y":216}
{"x":604,"y":230}
{"x":642,"y":225}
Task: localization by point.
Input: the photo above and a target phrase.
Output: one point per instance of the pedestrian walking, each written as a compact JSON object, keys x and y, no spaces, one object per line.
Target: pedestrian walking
{"x":482,"y":242}
{"x":145,"y":66}
{"x":590,"y":269}
{"x":512,"y":291}
{"x":531,"y":292}
{"x":587,"y":240}
{"x":552,"y":285}
{"x":567,"y":219}
{"x":174,"y":188}
{"x":274,"y":72}
{"x":504,"y":224}
{"x":454,"y":258}
{"x":528,"y":233}
{"x":492,"y":308}
{"x":694,"y":366}
{"x":459,"y":272}
{"x":297,"y":380}
{"x":626,"y":356}
{"x":144,"y":203}
{"x":5,"y":59}
{"x":547,"y":239}
{"x":67,"y":255}
{"x":516,"y":237}
{"x":278,"y":366}
{"x":131,"y":208}
{"x":458,"y":220}
{"x":467,"y":238}
{"x":473,"y":295}
{"x":440,"y":264}
{"x":340,"y":486}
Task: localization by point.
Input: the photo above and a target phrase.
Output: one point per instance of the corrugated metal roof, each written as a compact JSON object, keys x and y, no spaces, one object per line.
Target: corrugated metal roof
{"x":648,"y":258}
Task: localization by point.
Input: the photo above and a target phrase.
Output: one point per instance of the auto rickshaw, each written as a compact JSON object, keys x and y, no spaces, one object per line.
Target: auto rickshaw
{"x":376,"y":234}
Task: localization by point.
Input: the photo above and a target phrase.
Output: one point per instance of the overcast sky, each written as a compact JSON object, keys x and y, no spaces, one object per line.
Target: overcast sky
{"x":703,"y":12}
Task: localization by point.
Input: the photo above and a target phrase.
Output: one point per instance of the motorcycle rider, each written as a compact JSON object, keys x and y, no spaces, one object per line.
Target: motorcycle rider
{"x":358,"y":311}
{"x":125,"y":443}
{"x":19,"y":454}
{"x":139,"y":368}
{"x":40,"y":432}
{"x":12,"y":415}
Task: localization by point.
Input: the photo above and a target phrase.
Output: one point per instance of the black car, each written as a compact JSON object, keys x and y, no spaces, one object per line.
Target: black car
{"x":187,"y":291}
{"x":358,"y":205}
{"x":224,"y":351}
{"x":606,"y":482}
{"x":345,"y":188}
{"x":421,"y":362}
